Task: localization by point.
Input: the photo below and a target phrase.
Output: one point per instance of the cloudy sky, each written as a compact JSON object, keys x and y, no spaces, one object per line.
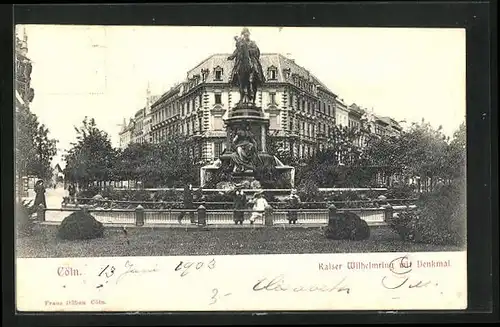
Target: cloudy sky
{"x":103,"y":72}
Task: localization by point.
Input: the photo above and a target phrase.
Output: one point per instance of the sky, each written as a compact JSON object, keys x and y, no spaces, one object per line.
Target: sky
{"x":104,"y":71}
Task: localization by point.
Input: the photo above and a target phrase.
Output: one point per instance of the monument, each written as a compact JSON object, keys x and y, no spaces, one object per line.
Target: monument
{"x":246,"y":158}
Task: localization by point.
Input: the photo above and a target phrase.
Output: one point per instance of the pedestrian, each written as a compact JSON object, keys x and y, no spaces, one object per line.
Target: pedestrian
{"x":293,"y":203}
{"x":40,"y":194}
{"x":259,"y":206}
{"x":72,"y":192}
{"x":240,"y":202}
{"x":188,"y":204}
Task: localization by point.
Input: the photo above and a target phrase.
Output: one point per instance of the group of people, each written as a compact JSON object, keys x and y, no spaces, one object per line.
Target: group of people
{"x":240,"y":202}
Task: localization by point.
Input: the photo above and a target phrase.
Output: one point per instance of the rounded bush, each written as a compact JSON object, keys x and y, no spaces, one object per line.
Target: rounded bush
{"x":80,"y":225}
{"x":347,"y":226}
{"x":439,"y":218}
{"x":23,"y":217}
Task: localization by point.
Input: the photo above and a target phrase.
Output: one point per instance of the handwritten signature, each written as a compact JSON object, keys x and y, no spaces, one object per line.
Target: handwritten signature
{"x":401,"y":267}
{"x":131,"y":270}
{"x":278,"y":284}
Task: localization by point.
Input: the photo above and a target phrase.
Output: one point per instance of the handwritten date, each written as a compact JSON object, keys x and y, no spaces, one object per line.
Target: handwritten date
{"x":186,"y":267}
{"x":131,"y":269}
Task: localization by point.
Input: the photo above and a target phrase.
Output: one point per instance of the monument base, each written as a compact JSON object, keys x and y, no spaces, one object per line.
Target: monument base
{"x":207,"y":172}
{"x":247,"y":128}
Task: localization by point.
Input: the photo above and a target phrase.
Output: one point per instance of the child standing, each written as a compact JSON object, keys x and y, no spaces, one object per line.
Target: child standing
{"x":259,"y":206}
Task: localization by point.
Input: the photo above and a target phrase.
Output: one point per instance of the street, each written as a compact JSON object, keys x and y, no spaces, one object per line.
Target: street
{"x":53,"y":197}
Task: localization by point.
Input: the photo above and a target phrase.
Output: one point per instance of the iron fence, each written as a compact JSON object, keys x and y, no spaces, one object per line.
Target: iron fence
{"x":216,"y":205}
{"x":203,"y":216}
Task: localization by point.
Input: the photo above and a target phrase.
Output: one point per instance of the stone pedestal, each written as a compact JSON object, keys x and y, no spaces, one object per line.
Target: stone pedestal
{"x":249,"y":118}
{"x":244,"y":115}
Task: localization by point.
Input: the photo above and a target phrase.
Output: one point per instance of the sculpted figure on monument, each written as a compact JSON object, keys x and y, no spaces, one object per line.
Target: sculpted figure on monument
{"x":247,"y":73}
{"x":245,"y":155}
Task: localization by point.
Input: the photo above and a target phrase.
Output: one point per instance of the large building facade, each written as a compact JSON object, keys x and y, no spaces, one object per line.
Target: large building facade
{"x":300,"y":108}
{"x":24,"y":95}
{"x":138,"y":129}
{"x":23,"y":67}
{"x":302,"y":111}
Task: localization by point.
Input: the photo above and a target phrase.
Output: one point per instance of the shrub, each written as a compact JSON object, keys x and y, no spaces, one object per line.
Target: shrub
{"x":347,"y":226}
{"x":23,"y":217}
{"x":308,"y":191}
{"x":217,"y":197}
{"x":167,"y":196}
{"x":110,"y":193}
{"x":80,"y":225}
{"x":89,"y":192}
{"x":439,"y":218}
{"x":401,"y":192}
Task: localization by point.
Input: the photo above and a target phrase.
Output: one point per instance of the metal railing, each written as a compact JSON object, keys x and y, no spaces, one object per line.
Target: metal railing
{"x":203,"y":216}
{"x":130,"y":204}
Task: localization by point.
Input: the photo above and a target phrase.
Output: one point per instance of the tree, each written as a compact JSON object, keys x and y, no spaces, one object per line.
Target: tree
{"x":91,"y":158}
{"x":420,"y":152}
{"x":277,"y":148}
{"x":34,"y":148}
{"x":179,"y":160}
{"x":327,"y":166}
{"x":132,"y":159}
{"x":456,"y":155}
{"x":173,"y":162}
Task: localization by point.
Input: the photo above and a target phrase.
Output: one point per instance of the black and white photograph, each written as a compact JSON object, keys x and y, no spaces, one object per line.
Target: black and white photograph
{"x":179,"y":141}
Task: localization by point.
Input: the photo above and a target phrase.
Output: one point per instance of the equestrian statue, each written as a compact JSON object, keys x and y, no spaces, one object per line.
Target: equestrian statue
{"x":247,"y":72}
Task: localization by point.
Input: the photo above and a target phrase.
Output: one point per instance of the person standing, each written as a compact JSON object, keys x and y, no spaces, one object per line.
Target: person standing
{"x":259,"y":206}
{"x":72,"y":192}
{"x":40,"y":194}
{"x":240,"y":202}
{"x":294,"y":204}
{"x":188,"y":204}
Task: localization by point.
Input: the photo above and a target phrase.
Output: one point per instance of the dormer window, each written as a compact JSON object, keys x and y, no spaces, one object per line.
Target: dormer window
{"x":286,"y":73}
{"x":218,"y":73}
{"x":204,"y":74}
{"x":272,"y":73}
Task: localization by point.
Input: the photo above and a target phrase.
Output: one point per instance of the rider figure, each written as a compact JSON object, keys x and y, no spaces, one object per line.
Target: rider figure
{"x":254,"y":60}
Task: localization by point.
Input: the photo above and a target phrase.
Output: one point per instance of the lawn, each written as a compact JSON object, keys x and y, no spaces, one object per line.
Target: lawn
{"x":174,"y":241}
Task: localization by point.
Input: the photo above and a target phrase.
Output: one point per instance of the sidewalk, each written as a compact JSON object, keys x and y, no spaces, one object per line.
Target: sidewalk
{"x":53,"y":197}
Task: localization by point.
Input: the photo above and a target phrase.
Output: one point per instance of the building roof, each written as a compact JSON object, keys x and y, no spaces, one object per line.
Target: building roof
{"x":173,"y":90}
{"x":58,"y":168}
{"x":267,"y":60}
{"x":388,"y":121}
{"x":127,"y":127}
{"x":139,"y":113}
{"x":391,"y":122}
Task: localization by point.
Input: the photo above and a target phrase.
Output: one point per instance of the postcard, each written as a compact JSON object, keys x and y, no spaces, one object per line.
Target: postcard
{"x":243,"y":168}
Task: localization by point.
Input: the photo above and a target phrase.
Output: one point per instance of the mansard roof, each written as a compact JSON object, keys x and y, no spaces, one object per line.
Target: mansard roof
{"x":268,"y":60}
{"x":172,"y":91}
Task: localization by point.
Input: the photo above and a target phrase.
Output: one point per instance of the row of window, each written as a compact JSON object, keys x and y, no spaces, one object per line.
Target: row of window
{"x":309,"y":129}
{"x":182,"y":108}
{"x":161,"y":134}
{"x":310,"y":105}
{"x":342,"y":120}
{"x":300,"y":149}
